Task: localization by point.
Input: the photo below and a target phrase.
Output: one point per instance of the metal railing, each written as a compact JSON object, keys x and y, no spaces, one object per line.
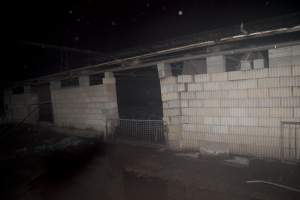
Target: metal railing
{"x":136,"y":130}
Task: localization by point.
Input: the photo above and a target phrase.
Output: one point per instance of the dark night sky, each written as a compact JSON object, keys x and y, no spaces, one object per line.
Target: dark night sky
{"x":114,"y":25}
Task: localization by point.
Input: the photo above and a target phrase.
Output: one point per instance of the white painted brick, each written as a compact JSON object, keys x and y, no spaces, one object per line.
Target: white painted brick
{"x":280,"y":71}
{"x":297,"y":112}
{"x":187,"y":95}
{"x":290,"y":81}
{"x":218,"y":76}
{"x":211,"y":86}
{"x":290,"y":102}
{"x":185,"y":78}
{"x":281,"y":112}
{"x":201,"y":78}
{"x":268,"y":82}
{"x":195,"y":86}
{"x":296,"y":91}
{"x":296,"y":70}
{"x":280,"y":92}
{"x":256,"y":93}
{"x":195,"y":103}
{"x":245,"y":84}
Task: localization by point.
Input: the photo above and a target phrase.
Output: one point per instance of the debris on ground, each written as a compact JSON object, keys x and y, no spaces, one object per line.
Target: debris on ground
{"x":238,"y":161}
{"x":189,"y":155}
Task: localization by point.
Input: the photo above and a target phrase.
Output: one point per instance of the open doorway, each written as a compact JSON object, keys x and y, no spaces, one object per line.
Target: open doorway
{"x":139,"y":95}
{"x":45,"y":105}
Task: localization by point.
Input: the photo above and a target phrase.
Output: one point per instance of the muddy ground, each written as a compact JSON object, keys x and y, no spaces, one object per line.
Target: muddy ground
{"x":37,"y":164}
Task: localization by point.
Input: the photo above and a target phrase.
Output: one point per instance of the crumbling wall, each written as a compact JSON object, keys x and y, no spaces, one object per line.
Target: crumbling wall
{"x":231,"y":112}
{"x":21,"y":107}
{"x":85,"y":107}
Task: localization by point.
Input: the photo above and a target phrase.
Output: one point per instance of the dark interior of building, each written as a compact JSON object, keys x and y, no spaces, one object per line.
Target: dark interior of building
{"x":138,"y":93}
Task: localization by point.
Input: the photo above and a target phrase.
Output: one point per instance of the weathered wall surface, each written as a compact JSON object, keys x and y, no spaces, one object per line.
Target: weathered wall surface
{"x":85,"y":107}
{"x":21,"y":106}
{"x":236,"y":112}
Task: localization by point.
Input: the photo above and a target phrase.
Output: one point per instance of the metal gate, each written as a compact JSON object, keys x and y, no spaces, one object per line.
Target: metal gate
{"x":136,"y":130}
{"x":289,"y":141}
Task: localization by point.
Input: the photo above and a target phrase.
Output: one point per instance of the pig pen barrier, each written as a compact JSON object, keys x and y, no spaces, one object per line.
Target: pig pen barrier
{"x":149,"y":132}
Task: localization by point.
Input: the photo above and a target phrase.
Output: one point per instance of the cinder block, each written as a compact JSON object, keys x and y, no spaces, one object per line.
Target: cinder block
{"x":245,"y":84}
{"x":201,"y":78}
{"x":296,"y":70}
{"x":280,"y":52}
{"x":237,"y":75}
{"x":164,"y":70}
{"x":109,"y":81}
{"x":297,"y":112}
{"x":268,"y":82}
{"x":174,"y":104}
{"x":257,"y":93}
{"x":280,"y":92}
{"x":258,"y":63}
{"x":187,"y":95}
{"x":195,"y":86}
{"x":290,"y":102}
{"x":280,"y":62}
{"x":211,"y":120}
{"x":229,"y":85}
{"x":170,"y":96}
{"x":195,"y":103}
{"x":268,"y":102}
{"x":281,"y":112}
{"x":211,"y":103}
{"x":184,"y":103}
{"x":211,"y":86}
{"x":185,"y":78}
{"x":168,"y":80}
{"x":237,"y":94}
{"x":280,"y":71}
{"x":260,"y":73}
{"x":167,"y":88}
{"x":215,"y":64}
{"x":296,"y":91}
{"x":181,"y":87}
{"x":289,"y":81}
{"x":245,"y":65}
{"x":218,"y":76}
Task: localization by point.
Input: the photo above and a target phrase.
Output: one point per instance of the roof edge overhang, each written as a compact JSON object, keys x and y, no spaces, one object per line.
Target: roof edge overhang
{"x":150,"y":59}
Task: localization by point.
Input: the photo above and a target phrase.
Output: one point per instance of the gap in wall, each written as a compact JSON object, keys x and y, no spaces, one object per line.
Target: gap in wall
{"x":138,"y":94}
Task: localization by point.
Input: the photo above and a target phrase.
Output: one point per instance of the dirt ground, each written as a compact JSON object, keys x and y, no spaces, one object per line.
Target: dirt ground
{"x":46,"y":165}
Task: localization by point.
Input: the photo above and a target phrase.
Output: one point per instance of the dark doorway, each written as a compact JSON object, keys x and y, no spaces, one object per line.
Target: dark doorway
{"x":138,"y":93}
{"x":45,"y":105}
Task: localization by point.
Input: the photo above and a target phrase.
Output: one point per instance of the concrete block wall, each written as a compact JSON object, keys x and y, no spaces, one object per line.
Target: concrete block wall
{"x":21,"y":106}
{"x":85,"y":107}
{"x":237,"y":112}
